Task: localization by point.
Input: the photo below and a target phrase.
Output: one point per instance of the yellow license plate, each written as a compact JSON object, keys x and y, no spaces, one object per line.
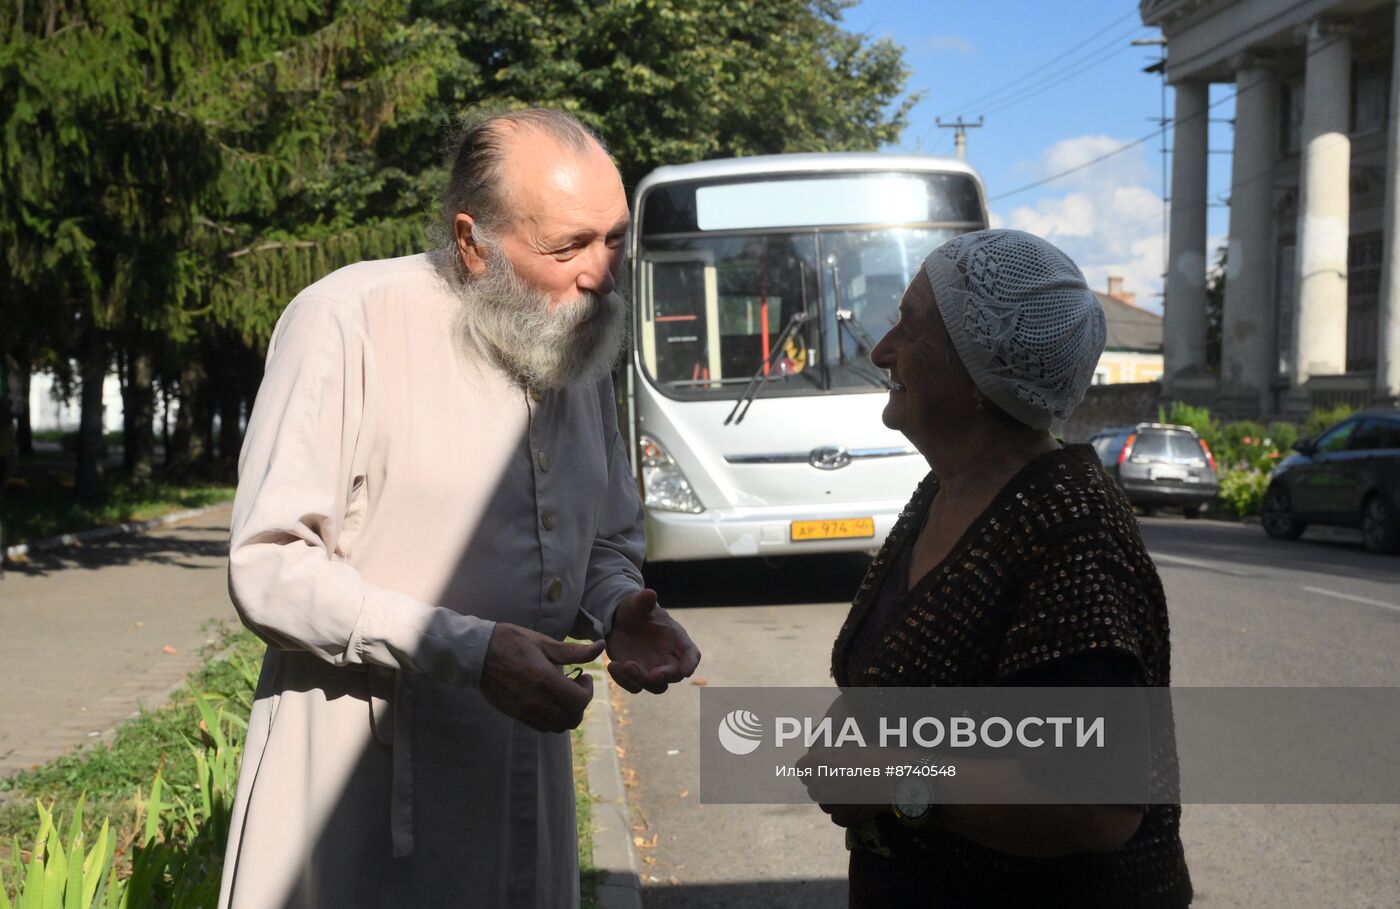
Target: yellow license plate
{"x":840,"y":529}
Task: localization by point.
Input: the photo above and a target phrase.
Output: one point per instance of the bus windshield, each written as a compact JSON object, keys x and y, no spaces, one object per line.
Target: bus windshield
{"x":712,"y":305}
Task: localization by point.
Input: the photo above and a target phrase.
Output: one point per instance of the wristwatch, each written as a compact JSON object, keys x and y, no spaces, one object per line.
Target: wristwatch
{"x":914,"y":797}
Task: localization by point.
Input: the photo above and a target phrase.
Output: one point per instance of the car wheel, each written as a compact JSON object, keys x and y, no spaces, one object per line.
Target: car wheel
{"x":1380,"y":525}
{"x":1190,"y":512}
{"x":1276,"y":514}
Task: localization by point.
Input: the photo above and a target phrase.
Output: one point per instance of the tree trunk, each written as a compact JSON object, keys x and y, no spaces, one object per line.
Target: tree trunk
{"x":19,"y":401}
{"x":7,"y":424}
{"x":204,"y":417}
{"x":139,"y":413}
{"x":230,"y":423}
{"x":92,"y":448}
{"x":166,"y":400}
{"x":190,"y":447}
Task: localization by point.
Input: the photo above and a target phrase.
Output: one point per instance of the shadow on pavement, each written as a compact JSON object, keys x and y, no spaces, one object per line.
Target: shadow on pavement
{"x":790,"y":580}
{"x":816,"y":894}
{"x":194,"y":547}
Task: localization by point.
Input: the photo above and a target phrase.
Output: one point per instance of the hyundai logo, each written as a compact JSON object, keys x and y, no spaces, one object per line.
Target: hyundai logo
{"x":829,"y":458}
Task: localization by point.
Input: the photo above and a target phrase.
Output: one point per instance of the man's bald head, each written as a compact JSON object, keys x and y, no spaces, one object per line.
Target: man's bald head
{"x":479,"y":180}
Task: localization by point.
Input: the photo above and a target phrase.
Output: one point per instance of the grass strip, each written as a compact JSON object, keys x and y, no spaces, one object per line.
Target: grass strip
{"x":110,"y":775}
{"x":157,"y":799}
{"x":36,"y":507}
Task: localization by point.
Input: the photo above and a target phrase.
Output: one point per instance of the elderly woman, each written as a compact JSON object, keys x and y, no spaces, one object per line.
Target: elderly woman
{"x":1017,"y":563}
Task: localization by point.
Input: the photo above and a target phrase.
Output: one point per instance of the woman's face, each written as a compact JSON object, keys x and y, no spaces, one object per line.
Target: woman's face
{"x":932,"y":390}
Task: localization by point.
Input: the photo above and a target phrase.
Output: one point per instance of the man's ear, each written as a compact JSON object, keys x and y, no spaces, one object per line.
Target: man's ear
{"x":472,"y":255}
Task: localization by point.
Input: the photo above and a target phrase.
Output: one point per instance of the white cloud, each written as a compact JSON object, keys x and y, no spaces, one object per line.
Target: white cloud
{"x":1107,"y":217}
{"x":1128,"y":167}
{"x":943,"y":44}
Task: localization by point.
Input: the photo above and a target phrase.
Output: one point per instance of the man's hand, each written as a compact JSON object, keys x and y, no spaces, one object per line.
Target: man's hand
{"x":522,"y":678}
{"x":649,"y":649}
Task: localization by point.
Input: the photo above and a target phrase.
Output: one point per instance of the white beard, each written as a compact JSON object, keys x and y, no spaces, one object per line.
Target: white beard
{"x":506,"y":320}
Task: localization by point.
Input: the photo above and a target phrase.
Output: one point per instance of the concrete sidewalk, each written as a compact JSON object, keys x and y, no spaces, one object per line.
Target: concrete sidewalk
{"x":84,"y":632}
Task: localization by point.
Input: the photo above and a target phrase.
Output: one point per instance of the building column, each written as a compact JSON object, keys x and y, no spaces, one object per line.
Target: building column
{"x":1324,"y":209}
{"x":1184,"y":309}
{"x":1388,"y":318}
{"x":1247,"y":340}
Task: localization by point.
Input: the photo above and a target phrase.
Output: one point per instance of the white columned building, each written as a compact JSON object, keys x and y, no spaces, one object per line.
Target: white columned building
{"x":1324,"y":207}
{"x":1184,"y":312}
{"x":1312,"y":294}
{"x":1388,"y":340}
{"x":1249,"y":324}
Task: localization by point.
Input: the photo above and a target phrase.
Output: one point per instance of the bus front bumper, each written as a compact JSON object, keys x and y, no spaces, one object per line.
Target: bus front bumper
{"x":737,"y":533}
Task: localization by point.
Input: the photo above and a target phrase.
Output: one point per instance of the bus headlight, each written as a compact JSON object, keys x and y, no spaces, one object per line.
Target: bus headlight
{"x":663,"y":484}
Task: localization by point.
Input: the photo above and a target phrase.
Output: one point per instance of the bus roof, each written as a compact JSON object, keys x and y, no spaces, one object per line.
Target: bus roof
{"x":758,"y":165}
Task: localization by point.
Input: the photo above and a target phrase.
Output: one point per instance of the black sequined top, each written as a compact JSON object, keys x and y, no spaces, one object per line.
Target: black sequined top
{"x":1054,"y":569}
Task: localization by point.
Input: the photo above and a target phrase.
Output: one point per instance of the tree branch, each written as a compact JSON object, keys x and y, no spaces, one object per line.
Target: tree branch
{"x":265,"y":247}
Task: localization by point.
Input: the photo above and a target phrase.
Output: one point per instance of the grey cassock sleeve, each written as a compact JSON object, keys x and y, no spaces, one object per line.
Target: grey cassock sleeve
{"x":619,"y":545}
{"x":306,"y":441}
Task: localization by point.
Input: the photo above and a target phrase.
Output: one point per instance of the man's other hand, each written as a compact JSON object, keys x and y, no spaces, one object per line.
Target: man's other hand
{"x":522,"y":678}
{"x":648,"y":649}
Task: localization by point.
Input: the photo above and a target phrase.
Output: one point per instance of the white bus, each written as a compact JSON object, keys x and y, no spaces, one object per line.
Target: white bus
{"x":760,"y":286}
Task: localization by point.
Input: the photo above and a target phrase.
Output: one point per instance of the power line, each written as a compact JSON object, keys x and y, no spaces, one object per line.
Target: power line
{"x":1048,"y":63}
{"x":1043,"y":87}
{"x":1016,"y":86}
{"x":1267,"y":172}
{"x":1157,"y":132}
{"x":1078,"y":167}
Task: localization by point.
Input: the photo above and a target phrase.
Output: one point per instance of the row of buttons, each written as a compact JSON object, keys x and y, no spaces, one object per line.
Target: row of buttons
{"x":547,"y":519}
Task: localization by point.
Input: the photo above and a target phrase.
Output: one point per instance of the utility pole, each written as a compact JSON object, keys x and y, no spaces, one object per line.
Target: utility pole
{"x":959,"y":137}
{"x":1160,"y":68}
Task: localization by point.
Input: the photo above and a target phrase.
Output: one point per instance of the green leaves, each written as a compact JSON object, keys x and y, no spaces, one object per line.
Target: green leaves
{"x":63,"y":873}
{"x":180,"y":828}
{"x":173,"y":172}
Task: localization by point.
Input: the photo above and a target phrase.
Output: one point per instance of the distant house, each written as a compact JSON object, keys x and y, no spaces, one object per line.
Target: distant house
{"x":1133,"y":350}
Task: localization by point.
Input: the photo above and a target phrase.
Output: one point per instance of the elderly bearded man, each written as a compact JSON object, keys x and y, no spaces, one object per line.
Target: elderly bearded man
{"x":433,"y":493}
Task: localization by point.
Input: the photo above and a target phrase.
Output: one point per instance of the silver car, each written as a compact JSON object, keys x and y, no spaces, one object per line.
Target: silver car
{"x":1160,"y":464}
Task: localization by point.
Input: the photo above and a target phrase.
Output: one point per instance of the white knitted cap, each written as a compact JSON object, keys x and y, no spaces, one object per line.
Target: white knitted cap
{"x":1022,"y":318}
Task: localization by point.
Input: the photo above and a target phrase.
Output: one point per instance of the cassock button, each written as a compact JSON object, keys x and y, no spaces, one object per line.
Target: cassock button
{"x":543,"y":459}
{"x":556,"y":587}
{"x":536,"y":395}
{"x":547,"y":519}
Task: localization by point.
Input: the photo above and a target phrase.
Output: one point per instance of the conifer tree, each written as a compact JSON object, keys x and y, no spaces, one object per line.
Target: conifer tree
{"x":172,"y":172}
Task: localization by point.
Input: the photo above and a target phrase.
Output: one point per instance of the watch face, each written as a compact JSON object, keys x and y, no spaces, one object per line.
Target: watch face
{"x":912,"y":797}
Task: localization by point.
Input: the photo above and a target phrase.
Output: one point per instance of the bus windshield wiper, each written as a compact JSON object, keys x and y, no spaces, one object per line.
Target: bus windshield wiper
{"x":765,"y":369}
{"x":847,"y":320}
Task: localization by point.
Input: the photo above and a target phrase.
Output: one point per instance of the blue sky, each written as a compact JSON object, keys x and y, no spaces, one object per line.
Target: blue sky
{"x":1059,"y":83}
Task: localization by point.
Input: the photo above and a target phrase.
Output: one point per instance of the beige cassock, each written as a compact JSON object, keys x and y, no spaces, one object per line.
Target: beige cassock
{"x":396,"y":498}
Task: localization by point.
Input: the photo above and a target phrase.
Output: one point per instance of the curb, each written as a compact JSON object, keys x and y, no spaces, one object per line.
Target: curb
{"x":21,"y":550}
{"x":619,"y":886}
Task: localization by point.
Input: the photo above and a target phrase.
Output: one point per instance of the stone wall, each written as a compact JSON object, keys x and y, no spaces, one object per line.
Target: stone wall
{"x":1111,"y":405}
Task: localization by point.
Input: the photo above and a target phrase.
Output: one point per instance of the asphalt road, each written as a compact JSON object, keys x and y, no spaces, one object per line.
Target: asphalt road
{"x":1246,"y":611}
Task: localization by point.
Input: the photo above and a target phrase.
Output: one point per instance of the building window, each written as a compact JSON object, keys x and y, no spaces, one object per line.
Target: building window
{"x":1363,"y":299}
{"x":1291,"y":123}
{"x":1370,"y":92}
